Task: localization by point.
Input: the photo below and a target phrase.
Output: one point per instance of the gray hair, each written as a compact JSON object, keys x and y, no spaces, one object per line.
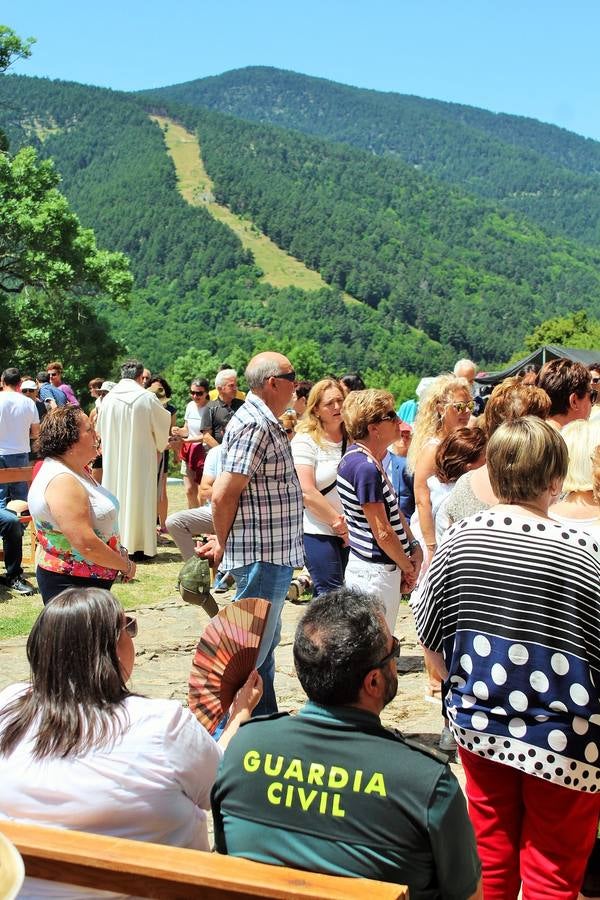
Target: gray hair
{"x":131,"y":368}
{"x":257,"y":372}
{"x":223,"y":376}
{"x":462,"y":364}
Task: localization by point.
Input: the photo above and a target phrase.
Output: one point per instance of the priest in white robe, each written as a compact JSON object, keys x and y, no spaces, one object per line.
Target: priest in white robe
{"x":134,"y":428}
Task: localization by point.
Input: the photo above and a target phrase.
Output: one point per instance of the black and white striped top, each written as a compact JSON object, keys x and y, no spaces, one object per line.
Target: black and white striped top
{"x":360,"y":480}
{"x":513,"y":603}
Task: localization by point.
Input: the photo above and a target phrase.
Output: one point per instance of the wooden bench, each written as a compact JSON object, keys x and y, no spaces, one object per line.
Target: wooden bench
{"x":10,"y":476}
{"x":171,"y":873}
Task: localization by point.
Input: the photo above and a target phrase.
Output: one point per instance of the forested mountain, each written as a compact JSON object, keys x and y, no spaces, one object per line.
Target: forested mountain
{"x":118,"y":178}
{"x":549,"y":173}
{"x":461,"y":269}
{"x":441,"y":273}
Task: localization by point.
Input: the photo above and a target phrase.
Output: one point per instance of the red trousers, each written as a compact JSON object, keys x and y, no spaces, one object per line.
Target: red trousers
{"x":528,"y":830}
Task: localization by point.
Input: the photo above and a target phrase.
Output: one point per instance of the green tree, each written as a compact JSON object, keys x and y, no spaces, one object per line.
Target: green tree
{"x":576,"y":331}
{"x":194,"y":363}
{"x":12,"y":47}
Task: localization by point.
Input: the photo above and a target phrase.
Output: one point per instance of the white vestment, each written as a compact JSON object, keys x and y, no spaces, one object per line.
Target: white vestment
{"x":134,"y":427}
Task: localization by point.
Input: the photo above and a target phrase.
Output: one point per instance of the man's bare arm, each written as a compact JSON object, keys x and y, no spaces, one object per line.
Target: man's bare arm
{"x":226,"y":494}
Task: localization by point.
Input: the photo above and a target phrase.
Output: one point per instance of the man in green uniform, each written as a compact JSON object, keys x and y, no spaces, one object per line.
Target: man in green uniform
{"x":331,"y":790}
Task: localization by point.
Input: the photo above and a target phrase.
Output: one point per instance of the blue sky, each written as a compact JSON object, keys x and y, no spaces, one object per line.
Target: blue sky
{"x":527,"y":57}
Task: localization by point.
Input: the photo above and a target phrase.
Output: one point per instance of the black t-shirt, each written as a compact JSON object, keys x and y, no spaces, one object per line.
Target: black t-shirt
{"x":216,"y":416}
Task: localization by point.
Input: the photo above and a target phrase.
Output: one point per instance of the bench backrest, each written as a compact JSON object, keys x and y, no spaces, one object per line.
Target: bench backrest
{"x":12,"y":474}
{"x":172,"y":873}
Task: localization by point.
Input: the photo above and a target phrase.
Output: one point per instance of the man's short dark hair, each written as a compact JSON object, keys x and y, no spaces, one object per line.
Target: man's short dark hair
{"x":560,"y":378}
{"x":11,"y":376}
{"x":43,"y":377}
{"x":131,"y":368}
{"x":338,"y":640}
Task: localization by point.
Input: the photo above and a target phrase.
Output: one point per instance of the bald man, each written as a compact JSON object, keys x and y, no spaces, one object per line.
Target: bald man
{"x":257,"y":503}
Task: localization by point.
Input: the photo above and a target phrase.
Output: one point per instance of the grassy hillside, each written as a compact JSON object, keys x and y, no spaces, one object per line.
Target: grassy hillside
{"x":278,"y":268}
{"x":548,"y":173}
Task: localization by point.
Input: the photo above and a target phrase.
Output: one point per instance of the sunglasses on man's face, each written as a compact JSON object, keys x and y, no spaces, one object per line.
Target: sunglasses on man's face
{"x":198,"y":393}
{"x":393,"y":654}
{"x":286,"y":376}
{"x":130,"y":626}
{"x":53,"y":374}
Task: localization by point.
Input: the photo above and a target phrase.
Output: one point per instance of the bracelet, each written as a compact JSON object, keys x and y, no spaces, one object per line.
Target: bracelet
{"x":431,"y":546}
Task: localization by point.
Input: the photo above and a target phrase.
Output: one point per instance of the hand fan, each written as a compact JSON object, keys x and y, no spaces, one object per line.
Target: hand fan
{"x":226,"y":654}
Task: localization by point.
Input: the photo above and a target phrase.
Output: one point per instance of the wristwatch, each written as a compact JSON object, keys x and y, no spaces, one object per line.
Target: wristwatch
{"x":412,"y":544}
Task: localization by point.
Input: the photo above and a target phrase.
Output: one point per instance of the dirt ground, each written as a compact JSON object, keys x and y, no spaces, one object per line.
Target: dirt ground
{"x":167,"y":636}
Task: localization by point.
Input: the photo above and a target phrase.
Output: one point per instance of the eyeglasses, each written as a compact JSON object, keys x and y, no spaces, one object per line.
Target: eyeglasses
{"x":393,"y":654}
{"x":593,"y":396}
{"x":389,"y":417}
{"x":460,"y":406}
{"x":198,"y":393}
{"x":287,"y":376}
{"x":130,"y":626}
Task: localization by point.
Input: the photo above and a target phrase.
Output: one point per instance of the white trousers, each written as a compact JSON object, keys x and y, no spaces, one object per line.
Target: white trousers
{"x":380,"y":580}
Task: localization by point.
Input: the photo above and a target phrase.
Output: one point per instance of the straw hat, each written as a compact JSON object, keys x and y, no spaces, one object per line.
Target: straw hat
{"x":12,"y":870}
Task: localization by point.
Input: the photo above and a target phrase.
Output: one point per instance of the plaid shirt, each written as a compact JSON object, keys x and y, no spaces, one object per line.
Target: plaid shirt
{"x":268,"y":522}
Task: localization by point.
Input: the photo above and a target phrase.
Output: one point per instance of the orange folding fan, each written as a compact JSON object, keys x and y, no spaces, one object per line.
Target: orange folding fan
{"x":226,"y":654}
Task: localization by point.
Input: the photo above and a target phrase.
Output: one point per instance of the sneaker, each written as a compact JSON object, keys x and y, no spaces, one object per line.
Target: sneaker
{"x":21,"y":586}
{"x":447,"y":741}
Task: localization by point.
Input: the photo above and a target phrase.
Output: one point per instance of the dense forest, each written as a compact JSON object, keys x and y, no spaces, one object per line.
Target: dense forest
{"x":468,"y":274}
{"x":546,"y":172}
{"x":440,"y":273}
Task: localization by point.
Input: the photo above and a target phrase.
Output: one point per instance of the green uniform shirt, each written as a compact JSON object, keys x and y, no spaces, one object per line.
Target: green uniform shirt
{"x":330,"y":790}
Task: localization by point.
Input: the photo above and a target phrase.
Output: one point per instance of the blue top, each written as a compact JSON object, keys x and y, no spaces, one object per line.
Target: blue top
{"x":402,"y":482}
{"x":49,"y":392}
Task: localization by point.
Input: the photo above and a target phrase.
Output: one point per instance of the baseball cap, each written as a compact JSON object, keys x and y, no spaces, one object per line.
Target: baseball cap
{"x":28,"y":385}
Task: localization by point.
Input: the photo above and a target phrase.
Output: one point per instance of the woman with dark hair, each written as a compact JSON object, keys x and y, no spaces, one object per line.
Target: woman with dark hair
{"x":510,"y":614}
{"x":76,"y":519}
{"x":79,"y":750}
{"x":317,"y":448}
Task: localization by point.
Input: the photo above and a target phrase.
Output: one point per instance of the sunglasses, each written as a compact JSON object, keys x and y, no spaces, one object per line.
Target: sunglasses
{"x":389,"y":417}
{"x":393,"y":654}
{"x":286,"y":376}
{"x":198,"y":393}
{"x":595,"y":380}
{"x":52,"y":374}
{"x":130,"y":626}
{"x":460,"y":406}
{"x":289,"y":430}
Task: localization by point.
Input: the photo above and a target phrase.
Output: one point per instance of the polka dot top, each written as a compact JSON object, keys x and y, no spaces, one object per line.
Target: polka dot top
{"x":513,"y":603}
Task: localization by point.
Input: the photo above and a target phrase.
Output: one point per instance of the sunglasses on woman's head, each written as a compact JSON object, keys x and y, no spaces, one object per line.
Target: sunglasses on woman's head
{"x":461,"y":406}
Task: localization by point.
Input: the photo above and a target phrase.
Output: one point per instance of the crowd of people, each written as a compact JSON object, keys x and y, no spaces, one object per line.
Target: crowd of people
{"x":484,"y":511}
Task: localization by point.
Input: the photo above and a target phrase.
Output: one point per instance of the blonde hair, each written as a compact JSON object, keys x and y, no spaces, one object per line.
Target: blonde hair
{"x":310,"y":423}
{"x":524,"y":457}
{"x":581,"y":437}
{"x":596,"y":474}
{"x":430,"y":421}
{"x":364,"y":408}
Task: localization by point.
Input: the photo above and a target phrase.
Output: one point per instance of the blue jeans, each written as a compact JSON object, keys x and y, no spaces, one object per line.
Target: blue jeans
{"x":326,"y":559}
{"x":11,"y":532}
{"x":271,"y":582}
{"x":17,"y":490}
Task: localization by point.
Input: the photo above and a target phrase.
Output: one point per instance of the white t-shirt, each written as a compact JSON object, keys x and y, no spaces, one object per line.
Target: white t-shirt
{"x":17,"y":414}
{"x":324,"y":460}
{"x":153,"y":785}
{"x":193,"y":418}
